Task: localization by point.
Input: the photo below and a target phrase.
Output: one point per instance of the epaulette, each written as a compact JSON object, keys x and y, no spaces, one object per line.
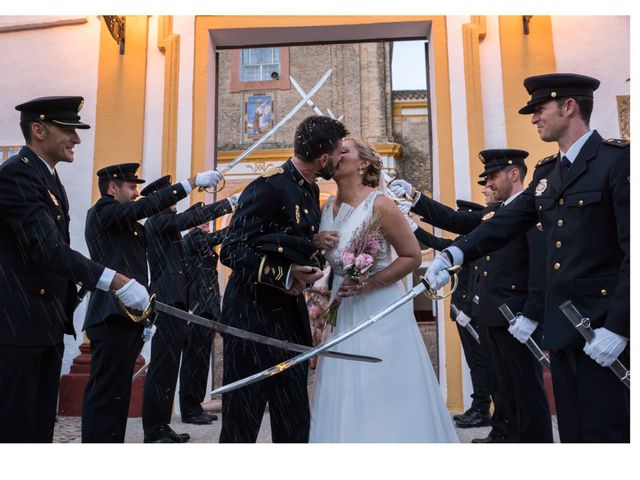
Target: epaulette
{"x":617,"y":142}
{"x":548,"y":159}
{"x":273,"y":171}
{"x":25,"y":160}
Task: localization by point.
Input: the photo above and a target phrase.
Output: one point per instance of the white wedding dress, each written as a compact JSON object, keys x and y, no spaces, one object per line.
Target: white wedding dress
{"x":396,"y":400}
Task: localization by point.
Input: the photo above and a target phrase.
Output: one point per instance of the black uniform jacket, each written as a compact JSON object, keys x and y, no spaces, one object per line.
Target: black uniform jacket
{"x":514,"y":274}
{"x":38,"y":270}
{"x":585,"y":219}
{"x":281,"y":201}
{"x":202,"y":274}
{"x":117,"y":240}
{"x":164,"y":249}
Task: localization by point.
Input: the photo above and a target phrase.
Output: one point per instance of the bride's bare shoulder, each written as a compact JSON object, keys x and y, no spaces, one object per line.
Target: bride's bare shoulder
{"x":383,"y":204}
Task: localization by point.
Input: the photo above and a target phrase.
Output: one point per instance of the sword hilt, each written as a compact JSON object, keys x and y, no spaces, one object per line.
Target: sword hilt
{"x":432,"y":294}
{"x":145,"y":313}
{"x":216,"y":189}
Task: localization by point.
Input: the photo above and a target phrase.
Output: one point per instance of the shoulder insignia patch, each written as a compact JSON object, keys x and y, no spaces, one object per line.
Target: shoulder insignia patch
{"x":616,"y":142}
{"x":488,"y":215}
{"x":24,"y":160}
{"x":546,"y":160}
{"x":273,"y":171}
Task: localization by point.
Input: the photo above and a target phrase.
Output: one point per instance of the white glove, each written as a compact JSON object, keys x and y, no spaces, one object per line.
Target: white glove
{"x":400,"y":188}
{"x":210,"y":178}
{"x":522,"y":328}
{"x":148,"y":333}
{"x":133,"y":295}
{"x":605,"y":346}
{"x":437,"y":274}
{"x":233,"y":200}
{"x":412,"y":225}
{"x":404,"y":207}
{"x":463,"y":319}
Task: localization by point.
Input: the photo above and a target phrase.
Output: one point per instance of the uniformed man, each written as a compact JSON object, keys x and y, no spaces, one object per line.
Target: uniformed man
{"x":513,"y":275}
{"x":264,"y":293}
{"x":581,"y":198}
{"x":169,"y":283}
{"x":477,"y":415}
{"x":201,"y":259}
{"x":116,"y":239}
{"x":39,"y":271}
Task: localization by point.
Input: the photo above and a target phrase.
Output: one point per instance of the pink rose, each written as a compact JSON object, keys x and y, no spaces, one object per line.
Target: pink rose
{"x":363,"y":262}
{"x":373,"y":246}
{"x":348,"y":259}
{"x":314,"y":311}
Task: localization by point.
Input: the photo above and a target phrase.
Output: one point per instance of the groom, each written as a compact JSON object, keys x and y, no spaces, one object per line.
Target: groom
{"x":264,"y":293}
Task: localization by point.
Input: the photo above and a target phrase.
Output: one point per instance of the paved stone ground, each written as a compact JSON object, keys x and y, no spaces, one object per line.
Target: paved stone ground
{"x":68,"y":431}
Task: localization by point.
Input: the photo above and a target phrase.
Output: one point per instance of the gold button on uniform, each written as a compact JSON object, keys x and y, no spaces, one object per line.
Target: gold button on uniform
{"x":513,"y":287}
{"x":558,"y":244}
{"x":561,"y":201}
{"x":581,"y":203}
{"x":556,"y":266}
{"x":560,"y":222}
{"x":313,"y":228}
{"x":603,"y":292}
{"x":488,"y":257}
{"x":306,"y":211}
{"x":280,"y":249}
{"x":58,"y":217}
{"x":135,"y":233}
{"x":42,"y":291}
{"x":484,"y":274}
{"x":175,"y":192}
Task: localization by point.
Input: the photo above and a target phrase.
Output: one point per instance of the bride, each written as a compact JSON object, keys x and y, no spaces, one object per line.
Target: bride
{"x":398,"y":399}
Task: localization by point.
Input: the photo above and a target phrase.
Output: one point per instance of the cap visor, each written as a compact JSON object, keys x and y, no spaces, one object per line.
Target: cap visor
{"x":80,"y":125}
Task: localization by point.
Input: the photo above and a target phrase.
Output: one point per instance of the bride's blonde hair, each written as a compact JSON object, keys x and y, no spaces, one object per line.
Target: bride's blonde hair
{"x":366,"y":151}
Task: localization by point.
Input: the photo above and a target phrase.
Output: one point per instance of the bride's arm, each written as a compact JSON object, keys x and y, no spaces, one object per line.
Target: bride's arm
{"x":397,"y":233}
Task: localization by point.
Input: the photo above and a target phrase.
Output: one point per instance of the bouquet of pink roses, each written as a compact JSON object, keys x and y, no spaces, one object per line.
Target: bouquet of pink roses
{"x":357,"y":259}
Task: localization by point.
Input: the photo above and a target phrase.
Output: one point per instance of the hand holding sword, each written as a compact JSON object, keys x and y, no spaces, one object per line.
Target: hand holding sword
{"x":457,"y":313}
{"x":530,"y":343}
{"x":583,"y":326}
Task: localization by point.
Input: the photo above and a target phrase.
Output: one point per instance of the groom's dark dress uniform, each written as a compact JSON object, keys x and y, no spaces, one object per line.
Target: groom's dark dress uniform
{"x":279,"y":202}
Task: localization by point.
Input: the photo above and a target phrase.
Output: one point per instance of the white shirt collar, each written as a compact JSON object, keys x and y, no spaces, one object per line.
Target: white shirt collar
{"x":51,"y":170}
{"x":511,"y":198}
{"x":574,"y":149}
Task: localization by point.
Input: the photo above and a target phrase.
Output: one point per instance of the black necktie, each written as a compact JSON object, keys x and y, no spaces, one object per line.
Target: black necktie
{"x":565,"y":165}
{"x":61,"y":191}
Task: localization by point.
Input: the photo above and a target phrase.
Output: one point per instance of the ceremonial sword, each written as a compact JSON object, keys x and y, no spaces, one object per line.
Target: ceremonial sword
{"x":531,"y":343}
{"x":422,"y":287}
{"x":583,"y":326}
{"x":311,"y":102}
{"x":306,"y":98}
{"x":157,"y":306}
{"x":455,"y":310}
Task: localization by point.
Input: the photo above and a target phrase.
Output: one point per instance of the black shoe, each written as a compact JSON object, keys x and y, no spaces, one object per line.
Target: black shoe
{"x":474,"y":420}
{"x":463,"y":416}
{"x":201,"y":418}
{"x":167,"y":435}
{"x":490,"y":439}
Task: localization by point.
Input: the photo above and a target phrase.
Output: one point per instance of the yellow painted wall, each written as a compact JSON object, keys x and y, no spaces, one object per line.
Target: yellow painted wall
{"x":523,"y":56}
{"x":121,"y":97}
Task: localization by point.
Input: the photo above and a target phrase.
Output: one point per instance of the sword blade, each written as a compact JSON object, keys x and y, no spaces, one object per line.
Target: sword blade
{"x":583,"y":326}
{"x":472,"y":331}
{"x":531,"y":343}
{"x":237,"y":332}
{"x":277,"y":126}
{"x":303,"y":94}
{"x":323,"y":347}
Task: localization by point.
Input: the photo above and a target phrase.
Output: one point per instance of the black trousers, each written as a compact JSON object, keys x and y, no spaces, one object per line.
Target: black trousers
{"x":115,"y":346}
{"x":29,"y":382}
{"x":592,"y":404}
{"x":160,"y":387}
{"x":286,"y":393}
{"x":526,"y":408}
{"x":497,"y":385}
{"x":476,"y":359}
{"x":194,"y":370}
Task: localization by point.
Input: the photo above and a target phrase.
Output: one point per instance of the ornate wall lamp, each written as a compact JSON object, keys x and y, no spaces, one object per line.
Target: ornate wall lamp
{"x":116,"y":25}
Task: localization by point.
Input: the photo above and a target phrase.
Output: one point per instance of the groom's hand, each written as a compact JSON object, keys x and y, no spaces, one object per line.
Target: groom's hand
{"x":326,"y":240}
{"x":305,"y":274}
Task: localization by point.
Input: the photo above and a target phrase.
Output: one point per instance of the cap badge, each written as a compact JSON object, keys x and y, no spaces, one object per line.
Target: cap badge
{"x":80,"y":105}
{"x":554,"y":94}
{"x":489,"y":215}
{"x":541,"y":187}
